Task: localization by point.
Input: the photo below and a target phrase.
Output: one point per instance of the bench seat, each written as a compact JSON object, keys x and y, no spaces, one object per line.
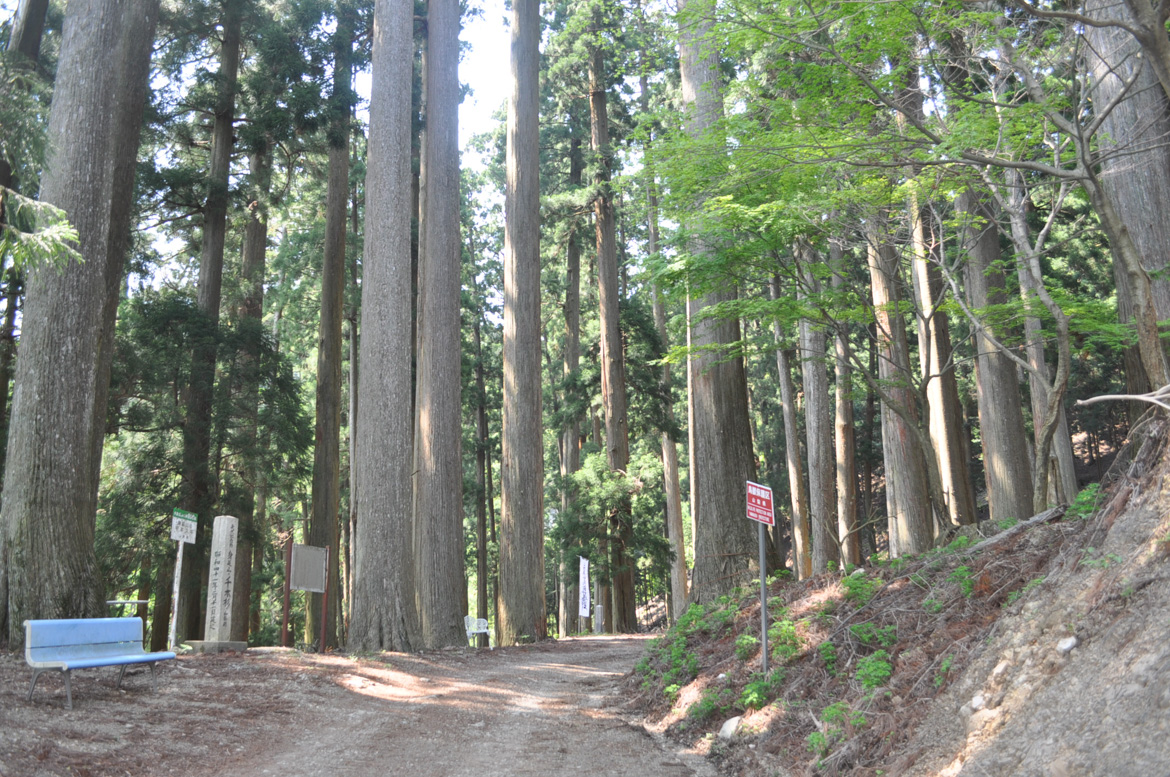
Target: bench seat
{"x":85,"y":643}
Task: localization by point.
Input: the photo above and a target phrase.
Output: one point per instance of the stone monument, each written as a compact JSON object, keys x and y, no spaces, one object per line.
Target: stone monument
{"x":217,"y":630}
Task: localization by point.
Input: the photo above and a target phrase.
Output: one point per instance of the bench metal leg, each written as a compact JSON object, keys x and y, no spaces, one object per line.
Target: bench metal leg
{"x":33,"y":687}
{"x":68,"y":686}
{"x":121,"y":674}
{"x":153,"y":677}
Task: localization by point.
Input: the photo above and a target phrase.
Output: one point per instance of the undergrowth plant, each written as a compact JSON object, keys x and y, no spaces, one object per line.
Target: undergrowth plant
{"x":870,"y":635}
{"x":859,"y":589}
{"x":874,"y":670}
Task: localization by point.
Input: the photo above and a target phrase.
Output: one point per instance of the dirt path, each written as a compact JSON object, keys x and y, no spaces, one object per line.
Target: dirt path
{"x":538,"y":710}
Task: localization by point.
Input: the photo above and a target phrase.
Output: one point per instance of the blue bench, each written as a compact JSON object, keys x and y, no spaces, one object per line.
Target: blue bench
{"x":82,"y":643}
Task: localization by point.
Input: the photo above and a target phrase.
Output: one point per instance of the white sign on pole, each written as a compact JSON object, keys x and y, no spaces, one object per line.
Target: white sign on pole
{"x":759,"y":504}
{"x":583,"y":604}
{"x":183,"y":525}
{"x":308,"y":568}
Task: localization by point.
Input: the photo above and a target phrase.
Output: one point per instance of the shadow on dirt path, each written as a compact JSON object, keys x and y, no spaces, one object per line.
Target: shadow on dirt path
{"x":536,"y":710}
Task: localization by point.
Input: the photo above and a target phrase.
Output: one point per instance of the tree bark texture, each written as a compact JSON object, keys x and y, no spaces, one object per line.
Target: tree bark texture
{"x":1006,"y":466}
{"x":522,"y":615}
{"x":568,"y":615}
{"x":1135,"y":170}
{"x":818,"y":424}
{"x":907,"y":489}
{"x":47,"y":563}
{"x":797,"y":491}
{"x":438,"y":469}
{"x":613,"y":363}
{"x":843,"y":431}
{"x":198,"y":489}
{"x":936,"y":362}
{"x":324,"y":531}
{"x":383,"y":615}
{"x":725,"y":542}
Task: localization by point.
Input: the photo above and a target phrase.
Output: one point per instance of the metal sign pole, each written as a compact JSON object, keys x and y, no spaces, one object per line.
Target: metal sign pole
{"x":325,"y":602}
{"x":763,"y":598}
{"x":287,"y":590}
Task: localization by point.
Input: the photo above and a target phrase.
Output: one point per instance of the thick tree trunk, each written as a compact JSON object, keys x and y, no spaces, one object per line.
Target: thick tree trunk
{"x":47,"y":563}
{"x":936,"y":360}
{"x":818,"y":425}
{"x":1006,"y":467}
{"x":438,"y":469}
{"x":1135,"y":167}
{"x":522,"y":615}
{"x":250,"y":314}
{"x":613,"y":363}
{"x":324,"y":531}
{"x":725,"y":542}
{"x":908,"y":503}
{"x":798,"y":493}
{"x":198,"y":489}
{"x":384,"y":615}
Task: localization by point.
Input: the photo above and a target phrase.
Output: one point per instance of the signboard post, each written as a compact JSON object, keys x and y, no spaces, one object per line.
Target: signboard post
{"x":583,"y":603}
{"x":184,"y":525}
{"x":760,"y":510}
{"x":308,"y":570}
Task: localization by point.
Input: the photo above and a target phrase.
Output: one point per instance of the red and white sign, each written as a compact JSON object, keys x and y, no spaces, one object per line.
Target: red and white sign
{"x":759,"y":504}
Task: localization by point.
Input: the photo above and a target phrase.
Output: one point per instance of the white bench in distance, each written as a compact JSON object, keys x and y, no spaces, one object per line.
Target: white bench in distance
{"x":81,"y":643}
{"x":475,"y":626}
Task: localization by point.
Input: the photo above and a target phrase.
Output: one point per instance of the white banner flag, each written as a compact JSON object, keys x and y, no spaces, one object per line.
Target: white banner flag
{"x":583,"y":587}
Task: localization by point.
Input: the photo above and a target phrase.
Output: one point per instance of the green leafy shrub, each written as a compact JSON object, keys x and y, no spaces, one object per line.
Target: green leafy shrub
{"x":870,"y":635}
{"x":828,"y":653}
{"x":757,"y":693}
{"x":859,"y":589}
{"x":962,"y":576}
{"x":711,"y":702}
{"x":1086,"y":503}
{"x":746,"y":646}
{"x":874,"y":670}
{"x":838,"y":719}
{"x":784,"y":640}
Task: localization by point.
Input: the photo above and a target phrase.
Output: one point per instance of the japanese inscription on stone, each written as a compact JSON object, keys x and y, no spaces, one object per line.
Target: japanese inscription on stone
{"x":220,"y":581}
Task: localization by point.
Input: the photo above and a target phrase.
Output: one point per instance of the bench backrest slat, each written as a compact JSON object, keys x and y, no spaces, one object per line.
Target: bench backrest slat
{"x":47,"y":639}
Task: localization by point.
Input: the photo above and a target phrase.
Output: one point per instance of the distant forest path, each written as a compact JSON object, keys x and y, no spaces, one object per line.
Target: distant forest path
{"x":536,"y":710}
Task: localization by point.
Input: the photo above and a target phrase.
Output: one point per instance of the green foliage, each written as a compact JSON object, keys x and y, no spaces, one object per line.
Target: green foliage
{"x":36,"y":234}
{"x":963,"y":577}
{"x":1095,"y":559}
{"x":1014,"y":596}
{"x":784,"y":639}
{"x":932,"y":605}
{"x":828,"y":653}
{"x":712,"y":701}
{"x":860,"y":589}
{"x":941,"y":676}
{"x":839,"y":721}
{"x":874,"y":670}
{"x":1087,"y":502}
{"x":870,"y":635}
{"x":746,"y":646}
{"x":760,"y":690}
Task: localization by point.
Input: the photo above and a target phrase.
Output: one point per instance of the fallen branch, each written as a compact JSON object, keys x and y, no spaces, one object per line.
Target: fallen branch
{"x":1051,"y":514}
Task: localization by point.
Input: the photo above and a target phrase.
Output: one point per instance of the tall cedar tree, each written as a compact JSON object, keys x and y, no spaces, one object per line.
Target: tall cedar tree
{"x":721,"y":455}
{"x":383,"y":615}
{"x":47,"y":562}
{"x":522,"y":613}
